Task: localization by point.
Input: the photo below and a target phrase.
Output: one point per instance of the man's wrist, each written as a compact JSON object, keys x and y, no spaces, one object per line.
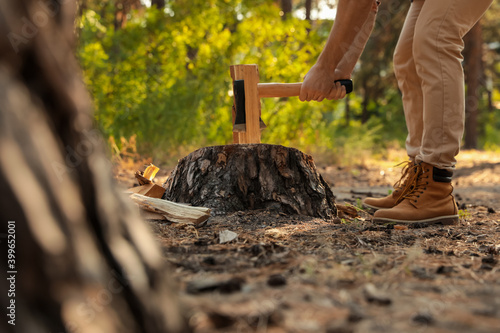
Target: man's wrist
{"x":326,"y":64}
{"x":342,"y":75}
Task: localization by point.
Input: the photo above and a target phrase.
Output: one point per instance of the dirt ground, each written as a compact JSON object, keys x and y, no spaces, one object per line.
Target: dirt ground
{"x":300,"y":274}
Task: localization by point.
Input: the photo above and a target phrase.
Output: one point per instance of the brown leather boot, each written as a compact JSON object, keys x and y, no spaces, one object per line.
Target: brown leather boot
{"x":430,"y":201}
{"x":401,"y":187}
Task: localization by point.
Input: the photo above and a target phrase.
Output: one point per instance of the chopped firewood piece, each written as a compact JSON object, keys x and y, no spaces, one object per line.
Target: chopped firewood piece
{"x":150,"y":172}
{"x":174,"y":212}
{"x":147,"y":215}
{"x":346,"y":211}
{"x":149,"y":190}
{"x":141,"y":179}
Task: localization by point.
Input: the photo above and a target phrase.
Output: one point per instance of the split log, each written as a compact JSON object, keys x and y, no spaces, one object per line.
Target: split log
{"x":251,"y":176}
{"x":174,"y":212}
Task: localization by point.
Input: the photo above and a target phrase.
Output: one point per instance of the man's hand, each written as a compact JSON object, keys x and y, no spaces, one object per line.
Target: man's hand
{"x":352,"y":26}
{"x":319,"y":83}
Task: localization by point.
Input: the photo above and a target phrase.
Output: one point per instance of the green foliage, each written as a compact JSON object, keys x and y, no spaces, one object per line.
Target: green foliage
{"x":464,"y":215}
{"x":164,"y":76}
{"x":489,"y":105}
{"x":491,"y":136}
{"x":359,"y":204}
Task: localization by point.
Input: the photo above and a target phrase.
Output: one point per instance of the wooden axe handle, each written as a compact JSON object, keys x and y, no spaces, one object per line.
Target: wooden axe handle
{"x":288,"y":89}
{"x":279,"y":89}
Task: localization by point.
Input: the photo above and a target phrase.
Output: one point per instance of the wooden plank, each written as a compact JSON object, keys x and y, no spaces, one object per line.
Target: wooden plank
{"x":252,"y":103}
{"x":239,"y":74}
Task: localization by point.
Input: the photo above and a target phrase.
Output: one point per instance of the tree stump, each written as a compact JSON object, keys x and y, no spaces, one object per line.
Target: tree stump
{"x":251,"y":176}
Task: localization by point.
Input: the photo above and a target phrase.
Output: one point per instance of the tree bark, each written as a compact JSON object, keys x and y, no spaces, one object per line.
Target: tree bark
{"x":82,"y":6}
{"x":123,"y":8}
{"x":473,"y":59}
{"x":286,"y":7}
{"x":160,"y":4}
{"x":365,"y":114}
{"x":308,"y":7}
{"x":347,"y":115}
{"x":251,"y":176}
{"x":83,"y":261}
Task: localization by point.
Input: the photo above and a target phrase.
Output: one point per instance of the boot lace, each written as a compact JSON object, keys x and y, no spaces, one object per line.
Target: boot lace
{"x":420,"y":183}
{"x":407,"y":181}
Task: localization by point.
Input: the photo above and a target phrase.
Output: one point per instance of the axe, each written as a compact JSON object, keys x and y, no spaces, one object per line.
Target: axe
{"x":267,"y":90}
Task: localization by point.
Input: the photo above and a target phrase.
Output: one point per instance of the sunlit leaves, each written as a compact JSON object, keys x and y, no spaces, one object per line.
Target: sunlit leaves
{"x":164,"y":76}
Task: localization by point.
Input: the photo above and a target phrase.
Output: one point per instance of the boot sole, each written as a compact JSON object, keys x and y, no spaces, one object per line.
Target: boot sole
{"x":373,"y":208}
{"x":445,"y":220}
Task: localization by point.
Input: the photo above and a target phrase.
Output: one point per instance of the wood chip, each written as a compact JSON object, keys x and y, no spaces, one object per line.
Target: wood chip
{"x":146,"y":177}
{"x":226,"y":236}
{"x":150,"y":172}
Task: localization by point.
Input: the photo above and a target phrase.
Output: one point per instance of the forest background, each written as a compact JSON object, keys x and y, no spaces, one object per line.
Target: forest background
{"x":159,"y":76}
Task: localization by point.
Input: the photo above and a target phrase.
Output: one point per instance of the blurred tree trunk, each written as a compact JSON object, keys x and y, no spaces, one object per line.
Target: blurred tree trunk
{"x":473,"y":59}
{"x":84,"y":261}
{"x":375,"y":64}
{"x":491,"y":107}
{"x":160,"y":4}
{"x":347,"y":115}
{"x":286,"y":7}
{"x":365,"y":114}
{"x":123,"y":8}
{"x":308,"y":10}
{"x":82,"y":6}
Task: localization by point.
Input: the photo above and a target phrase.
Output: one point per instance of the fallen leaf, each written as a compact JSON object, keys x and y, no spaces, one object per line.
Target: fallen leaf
{"x":400,"y":227}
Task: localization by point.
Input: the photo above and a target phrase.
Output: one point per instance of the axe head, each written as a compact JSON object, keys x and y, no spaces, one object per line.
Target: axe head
{"x":239,"y":104}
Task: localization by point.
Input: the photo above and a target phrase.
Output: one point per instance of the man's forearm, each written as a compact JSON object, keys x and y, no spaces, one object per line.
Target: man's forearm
{"x":351,"y":20}
{"x":354,"y":50}
{"x":353,"y":24}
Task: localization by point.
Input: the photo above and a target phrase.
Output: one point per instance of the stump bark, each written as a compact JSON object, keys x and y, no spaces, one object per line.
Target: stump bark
{"x":251,"y":176}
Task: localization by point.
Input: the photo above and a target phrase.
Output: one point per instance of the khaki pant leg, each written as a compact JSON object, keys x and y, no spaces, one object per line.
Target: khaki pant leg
{"x":409,"y":81}
{"x":437,"y":47}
